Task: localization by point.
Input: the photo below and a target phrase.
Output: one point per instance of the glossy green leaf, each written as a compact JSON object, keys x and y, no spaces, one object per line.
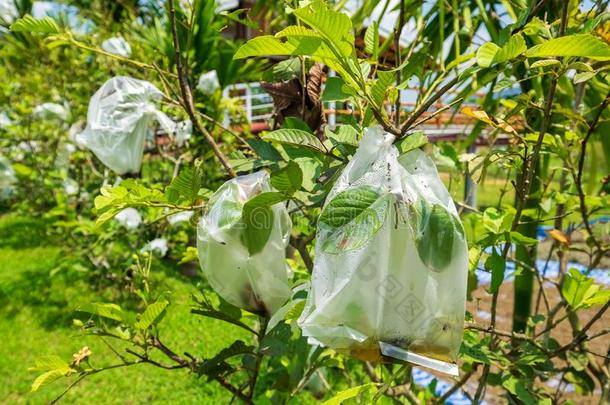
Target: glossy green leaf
{"x":258,"y":217}
{"x":265,"y":45}
{"x":497,"y":266}
{"x":436,"y":232}
{"x":349,"y":393}
{"x":105,"y":310}
{"x":411,"y":142}
{"x":289,"y":179}
{"x":151,"y":314}
{"x":371,"y":40}
{"x":295,"y":137}
{"x":490,"y":53}
{"x":353,"y":217}
{"x":47,"y":378}
{"x":580,"y":291}
{"x":584,"y":45}
{"x":336,"y":90}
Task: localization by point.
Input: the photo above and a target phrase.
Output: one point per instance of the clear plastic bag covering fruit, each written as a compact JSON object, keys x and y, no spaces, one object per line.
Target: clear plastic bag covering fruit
{"x":119,"y":116}
{"x":391,"y":263}
{"x":7,"y":178}
{"x":117,"y":46}
{"x":244,"y":261}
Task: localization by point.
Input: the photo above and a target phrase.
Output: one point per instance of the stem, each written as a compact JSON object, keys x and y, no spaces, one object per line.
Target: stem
{"x":408,"y":124}
{"x":581,"y":164}
{"x":187,"y":96}
{"x":397,"y":33}
{"x":529,"y":165}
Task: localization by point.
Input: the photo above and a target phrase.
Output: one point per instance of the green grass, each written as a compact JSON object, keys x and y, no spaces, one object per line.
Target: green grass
{"x":36,"y":320}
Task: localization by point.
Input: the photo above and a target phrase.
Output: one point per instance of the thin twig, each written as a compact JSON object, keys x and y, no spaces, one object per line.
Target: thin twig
{"x":187,"y":96}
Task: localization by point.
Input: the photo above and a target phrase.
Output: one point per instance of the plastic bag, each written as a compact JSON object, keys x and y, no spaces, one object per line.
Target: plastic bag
{"x":391,"y":263}
{"x":49,"y":111}
{"x":8,"y":11}
{"x":208,"y":82}
{"x":257,"y":281}
{"x":7,"y":178}
{"x":117,"y":46}
{"x":5,"y":120}
{"x":129,"y":217}
{"x":119,"y":116}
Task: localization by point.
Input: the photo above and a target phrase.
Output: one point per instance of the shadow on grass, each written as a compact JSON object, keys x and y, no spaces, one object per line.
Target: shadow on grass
{"x":22,"y":232}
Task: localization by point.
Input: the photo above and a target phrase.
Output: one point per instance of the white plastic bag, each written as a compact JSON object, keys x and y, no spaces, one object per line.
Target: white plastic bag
{"x":117,"y":46}
{"x":7,"y":178}
{"x":5,"y":120}
{"x":157,"y":245}
{"x":391,"y":263}
{"x":49,"y":111}
{"x":119,"y":116}
{"x":8,"y":11}
{"x":208,"y":82}
{"x":129,"y":217}
{"x":257,"y":282}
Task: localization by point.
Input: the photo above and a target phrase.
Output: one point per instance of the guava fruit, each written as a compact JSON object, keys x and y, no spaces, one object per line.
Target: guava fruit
{"x":436,"y":230}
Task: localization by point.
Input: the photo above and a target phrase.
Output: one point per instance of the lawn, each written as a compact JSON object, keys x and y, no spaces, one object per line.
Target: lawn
{"x":36,"y":320}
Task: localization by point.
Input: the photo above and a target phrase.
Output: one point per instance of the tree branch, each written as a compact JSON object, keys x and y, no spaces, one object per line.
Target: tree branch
{"x":187,"y":97}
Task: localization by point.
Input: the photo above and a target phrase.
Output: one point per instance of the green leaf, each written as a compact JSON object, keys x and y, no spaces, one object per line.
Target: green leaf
{"x":285,"y":70}
{"x":544,"y":63}
{"x":436,"y":231}
{"x":496,"y":222}
{"x":295,"y":137}
{"x":411,"y":142}
{"x":583,"y":76}
{"x":583,"y":45}
{"x":381,"y":85}
{"x":52,"y":362}
{"x":579,"y":66}
{"x":334,"y":26}
{"x":296,"y":123}
{"x":490,"y":53}
{"x":257,"y":217}
{"x":518,"y":388}
{"x":353,"y":217}
{"x":336,"y":90}
{"x":265,"y":45}
{"x":28,"y":23}
{"x":105,"y":310}
{"x":521,"y":239}
{"x":344,"y":134}
{"x":349,"y":393}
{"x":47,"y":378}
{"x":151,"y":314}
{"x":578,"y":360}
{"x":289,"y":179}
{"x":185,"y":186}
{"x":371,"y":40}
{"x":580,"y":291}
{"x":212,"y":366}
{"x":497,"y":266}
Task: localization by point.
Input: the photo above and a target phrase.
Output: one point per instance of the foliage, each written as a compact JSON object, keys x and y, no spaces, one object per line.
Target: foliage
{"x":544,"y":73}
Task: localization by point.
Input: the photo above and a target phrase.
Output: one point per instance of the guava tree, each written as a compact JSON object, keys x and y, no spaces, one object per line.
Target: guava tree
{"x":541,"y":67}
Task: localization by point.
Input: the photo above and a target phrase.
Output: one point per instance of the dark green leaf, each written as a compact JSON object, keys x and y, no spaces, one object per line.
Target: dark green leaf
{"x":295,"y":137}
{"x":353,"y":217}
{"x":288,"y":180}
{"x":411,"y":142}
{"x":497,"y":266}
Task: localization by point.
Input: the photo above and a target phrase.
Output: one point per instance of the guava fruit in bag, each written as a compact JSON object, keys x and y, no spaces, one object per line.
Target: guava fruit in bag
{"x":246,"y":269}
{"x":119,"y":116}
{"x":391,"y":264}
